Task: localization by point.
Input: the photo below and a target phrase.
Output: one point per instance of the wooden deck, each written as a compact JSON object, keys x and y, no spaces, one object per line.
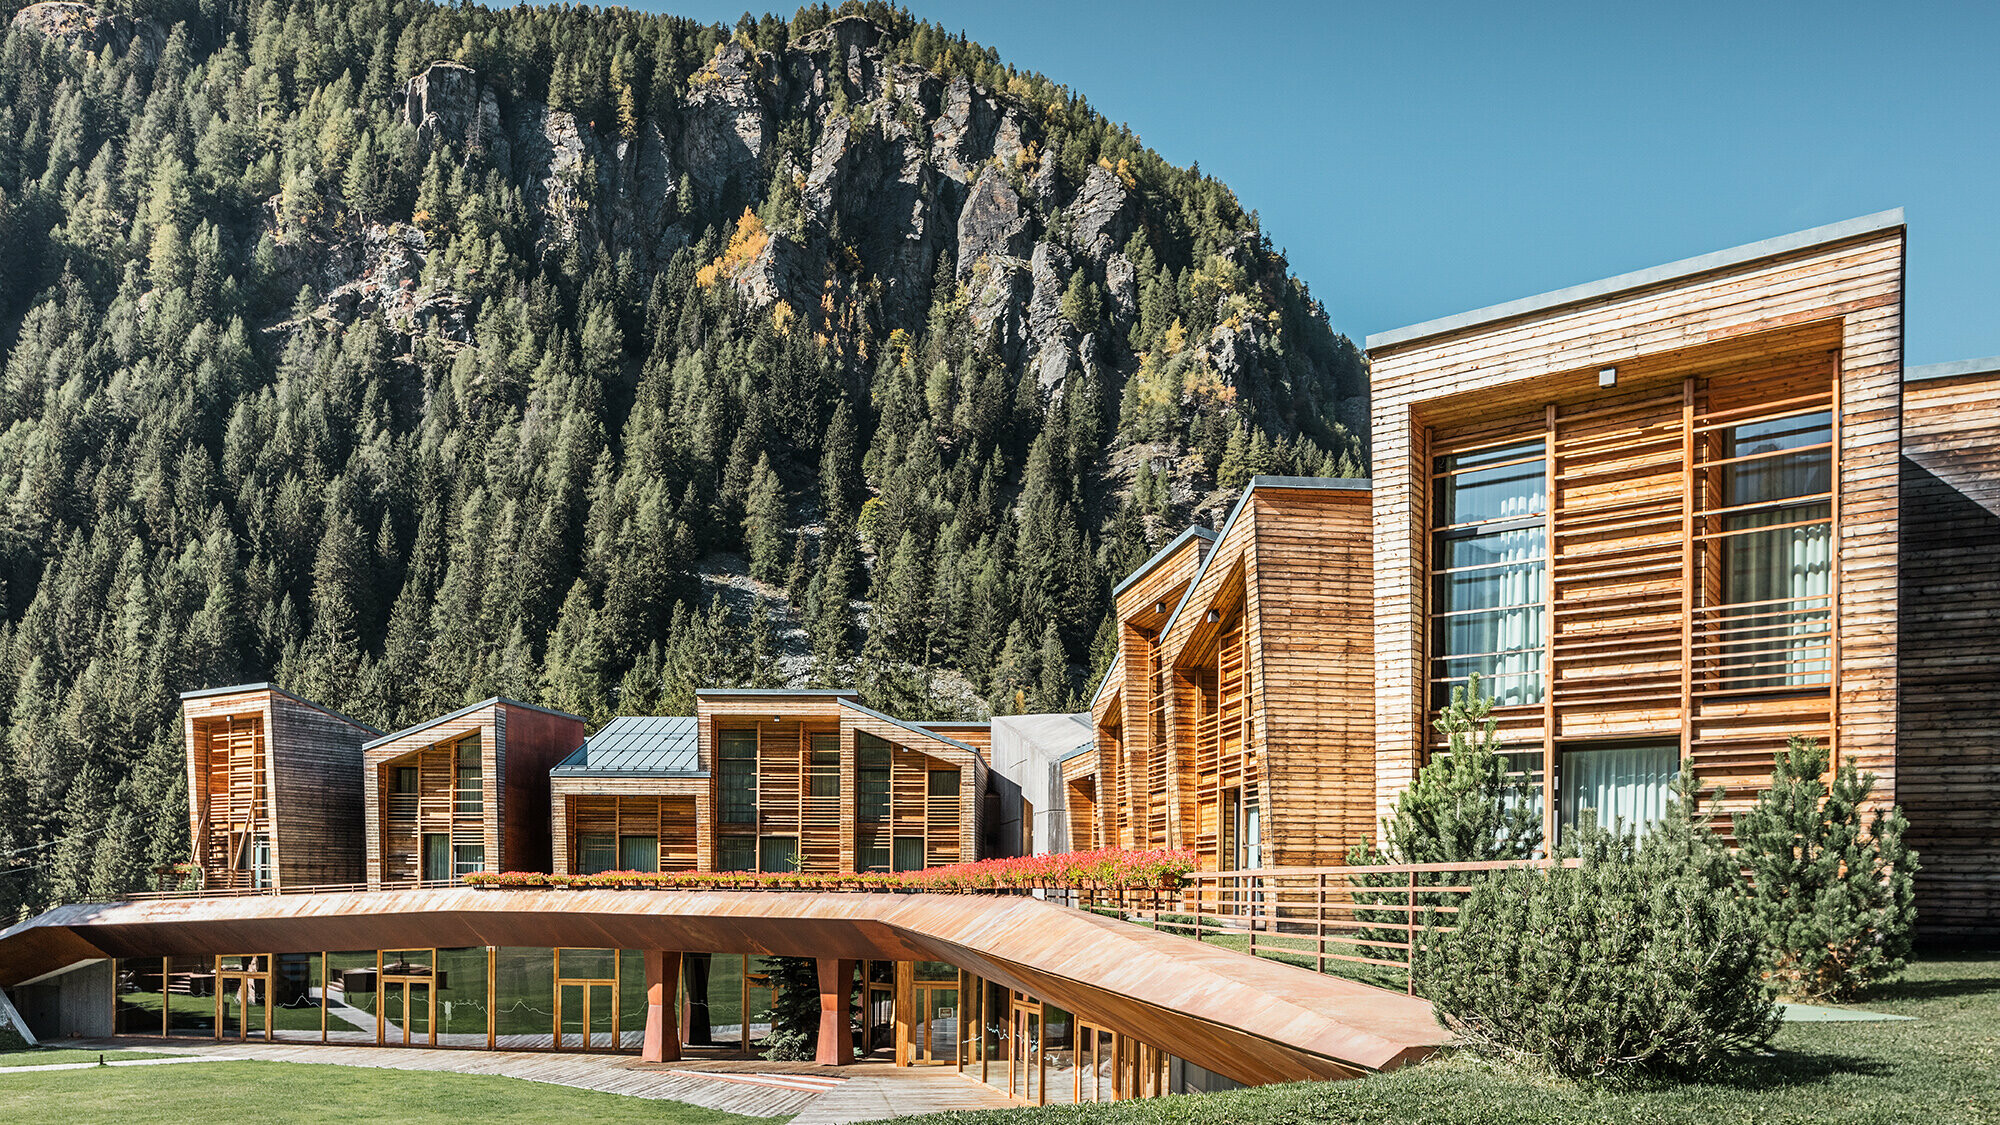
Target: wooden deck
{"x":865,"y":1091}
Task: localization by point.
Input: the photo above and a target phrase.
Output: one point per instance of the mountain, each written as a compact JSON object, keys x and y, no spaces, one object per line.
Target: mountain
{"x":408,"y":354}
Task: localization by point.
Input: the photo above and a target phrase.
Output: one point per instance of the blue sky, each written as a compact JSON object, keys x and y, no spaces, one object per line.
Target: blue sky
{"x":1420,"y":159}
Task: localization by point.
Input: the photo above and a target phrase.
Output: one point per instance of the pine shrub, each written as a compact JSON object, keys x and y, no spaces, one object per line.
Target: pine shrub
{"x":794,"y":1010}
{"x":1641,"y":960}
{"x":1830,"y":885}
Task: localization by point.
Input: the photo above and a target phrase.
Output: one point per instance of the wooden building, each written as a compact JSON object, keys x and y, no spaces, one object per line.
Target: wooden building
{"x":771,"y":780}
{"x":1237,"y":719}
{"x":1657,"y":515}
{"x":464,"y":792}
{"x":1948,"y":636}
{"x":274,"y":788}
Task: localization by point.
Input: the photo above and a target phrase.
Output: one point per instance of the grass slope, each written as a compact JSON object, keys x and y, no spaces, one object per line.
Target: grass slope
{"x":1941,"y":1070}
{"x":300,"y":1092}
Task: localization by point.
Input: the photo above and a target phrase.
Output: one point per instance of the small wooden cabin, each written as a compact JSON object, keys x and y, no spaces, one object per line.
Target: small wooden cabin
{"x":636,"y":796}
{"x":464,"y":792}
{"x":1238,"y":717}
{"x":1656,"y":515}
{"x":274,"y":788}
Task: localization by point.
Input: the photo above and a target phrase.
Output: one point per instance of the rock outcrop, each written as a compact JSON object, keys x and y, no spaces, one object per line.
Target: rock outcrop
{"x":83,"y":28}
{"x":872,"y":175}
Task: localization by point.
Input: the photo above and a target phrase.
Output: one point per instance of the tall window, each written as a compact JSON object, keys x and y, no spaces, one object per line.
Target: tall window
{"x":470,"y":779}
{"x":871,"y":779}
{"x":595,"y":852}
{"x":638,"y":853}
{"x":824,"y":777}
{"x":1489,"y":560}
{"x":736,"y":776}
{"x":1774,"y":481}
{"x":437,"y":856}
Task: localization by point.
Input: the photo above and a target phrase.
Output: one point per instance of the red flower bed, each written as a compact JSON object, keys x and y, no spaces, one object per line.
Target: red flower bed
{"x":1105,"y":869}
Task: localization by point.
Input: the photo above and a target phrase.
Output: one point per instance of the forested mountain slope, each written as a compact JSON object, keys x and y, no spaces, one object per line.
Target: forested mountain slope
{"x":408,"y":354}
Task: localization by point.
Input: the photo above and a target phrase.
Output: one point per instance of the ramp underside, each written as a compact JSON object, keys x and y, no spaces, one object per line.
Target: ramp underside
{"x":1250,"y":1019}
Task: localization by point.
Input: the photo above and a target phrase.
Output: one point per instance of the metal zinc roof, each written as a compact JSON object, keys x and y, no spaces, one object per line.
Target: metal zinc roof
{"x":637,"y":745}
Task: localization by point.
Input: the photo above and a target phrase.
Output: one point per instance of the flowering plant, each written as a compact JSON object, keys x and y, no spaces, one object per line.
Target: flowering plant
{"x":1104,"y":869}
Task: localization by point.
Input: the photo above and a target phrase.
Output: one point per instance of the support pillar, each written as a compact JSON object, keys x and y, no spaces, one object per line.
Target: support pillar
{"x":836,"y":993}
{"x":663,"y":1040}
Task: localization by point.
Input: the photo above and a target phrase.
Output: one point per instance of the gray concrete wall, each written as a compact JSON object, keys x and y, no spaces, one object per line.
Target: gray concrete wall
{"x":1024,"y":756}
{"x":76,"y":1004}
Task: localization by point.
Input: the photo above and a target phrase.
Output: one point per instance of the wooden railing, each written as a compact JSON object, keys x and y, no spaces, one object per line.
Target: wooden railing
{"x":1358,"y":921}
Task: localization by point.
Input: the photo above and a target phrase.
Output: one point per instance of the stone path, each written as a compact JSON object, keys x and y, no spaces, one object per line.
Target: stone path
{"x":753,"y":1087}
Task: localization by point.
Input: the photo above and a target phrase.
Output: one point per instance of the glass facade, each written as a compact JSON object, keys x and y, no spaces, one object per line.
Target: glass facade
{"x":1774,"y":480}
{"x":1621,"y":785}
{"x":1489,"y":572}
{"x":638,"y":853}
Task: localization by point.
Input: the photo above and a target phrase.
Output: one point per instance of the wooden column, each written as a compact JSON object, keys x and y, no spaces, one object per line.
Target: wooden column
{"x":663,"y":1041}
{"x":836,"y":991}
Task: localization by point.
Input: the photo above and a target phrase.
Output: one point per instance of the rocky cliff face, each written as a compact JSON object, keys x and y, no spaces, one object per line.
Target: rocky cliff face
{"x":84,"y":28}
{"x":904,"y":169}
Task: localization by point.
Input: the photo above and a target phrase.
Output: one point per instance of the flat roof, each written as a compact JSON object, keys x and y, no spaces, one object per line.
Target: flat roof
{"x":239,"y":689}
{"x":467,"y":710}
{"x":638,"y":746}
{"x":817,"y":693}
{"x":1986,"y":366}
{"x":1641,"y":279}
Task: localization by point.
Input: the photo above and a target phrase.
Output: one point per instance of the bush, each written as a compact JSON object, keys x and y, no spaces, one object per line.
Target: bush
{"x":1466,"y":805}
{"x":1836,"y":903}
{"x":1641,"y":959}
{"x":794,"y":1010}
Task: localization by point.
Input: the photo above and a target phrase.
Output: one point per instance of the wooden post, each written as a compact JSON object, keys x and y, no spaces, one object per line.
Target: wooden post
{"x":906,"y":976}
{"x":836,"y":988}
{"x":663,"y":971}
{"x":1410,"y":935}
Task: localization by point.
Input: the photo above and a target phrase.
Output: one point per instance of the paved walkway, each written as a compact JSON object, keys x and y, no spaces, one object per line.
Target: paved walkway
{"x":115,"y":1061}
{"x":865,"y":1091}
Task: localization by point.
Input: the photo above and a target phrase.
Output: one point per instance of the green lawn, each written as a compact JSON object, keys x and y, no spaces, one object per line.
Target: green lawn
{"x":50,"y":1056}
{"x":300,"y":1092}
{"x":1940,"y":1070}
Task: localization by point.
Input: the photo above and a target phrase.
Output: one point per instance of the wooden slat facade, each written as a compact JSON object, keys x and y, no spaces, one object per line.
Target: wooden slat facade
{"x":1637,"y":647}
{"x":1948,"y":733}
{"x":1250,"y":661}
{"x":518,"y":745}
{"x":265,"y":765}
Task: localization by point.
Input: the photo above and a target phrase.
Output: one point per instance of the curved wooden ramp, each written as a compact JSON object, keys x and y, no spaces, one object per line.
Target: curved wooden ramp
{"x":1250,"y":1019}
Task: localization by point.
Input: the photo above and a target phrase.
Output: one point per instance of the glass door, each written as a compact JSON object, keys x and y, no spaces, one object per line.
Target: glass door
{"x":586,"y":999}
{"x":243,"y":998}
{"x":935,"y":1037}
{"x":406,"y":1011}
{"x":1024,"y":1061}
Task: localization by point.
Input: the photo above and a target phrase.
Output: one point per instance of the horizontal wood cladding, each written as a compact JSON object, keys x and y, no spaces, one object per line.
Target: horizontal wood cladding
{"x":673,"y":821}
{"x":1313,"y":667}
{"x":518,"y":747}
{"x":1948,"y":735}
{"x":1630,"y":551}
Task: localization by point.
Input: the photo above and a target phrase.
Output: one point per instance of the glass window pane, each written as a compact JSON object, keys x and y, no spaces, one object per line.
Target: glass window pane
{"x":461,"y":997}
{"x":1622,"y":785}
{"x":736,"y":776}
{"x":468,"y":858}
{"x":437,"y":856}
{"x":909,"y":853}
{"x":296,"y":994}
{"x":736,"y":853}
{"x":596,"y":852}
{"x":351,"y":997}
{"x":142,"y":996}
{"x":1498,"y":493}
{"x":778,"y":853}
{"x":524,"y":1002}
{"x":587,"y":964}
{"x":471,"y":776}
{"x":871,"y":852}
{"x":191,"y":996}
{"x":871,"y":779}
{"x":638,"y":853}
{"x":944,"y":783}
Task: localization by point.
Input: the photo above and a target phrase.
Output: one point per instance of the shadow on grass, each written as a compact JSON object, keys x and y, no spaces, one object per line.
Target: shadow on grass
{"x":1781,"y":1069}
{"x":1952,"y":988}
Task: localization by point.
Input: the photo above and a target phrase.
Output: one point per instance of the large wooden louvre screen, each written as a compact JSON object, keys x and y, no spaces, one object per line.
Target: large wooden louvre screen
{"x":1616,"y":492}
{"x":233,"y":813}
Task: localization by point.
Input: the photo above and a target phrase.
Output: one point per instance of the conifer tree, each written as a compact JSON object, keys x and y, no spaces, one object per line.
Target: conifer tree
{"x":764,"y":524}
{"x":1466,"y":805}
{"x":1831,"y":881}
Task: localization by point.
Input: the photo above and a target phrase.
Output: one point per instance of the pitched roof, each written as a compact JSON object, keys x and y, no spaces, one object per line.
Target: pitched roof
{"x":245,"y":689}
{"x":638,"y":746}
{"x":1161,"y":555}
{"x":913,"y":728}
{"x":500,"y":700}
